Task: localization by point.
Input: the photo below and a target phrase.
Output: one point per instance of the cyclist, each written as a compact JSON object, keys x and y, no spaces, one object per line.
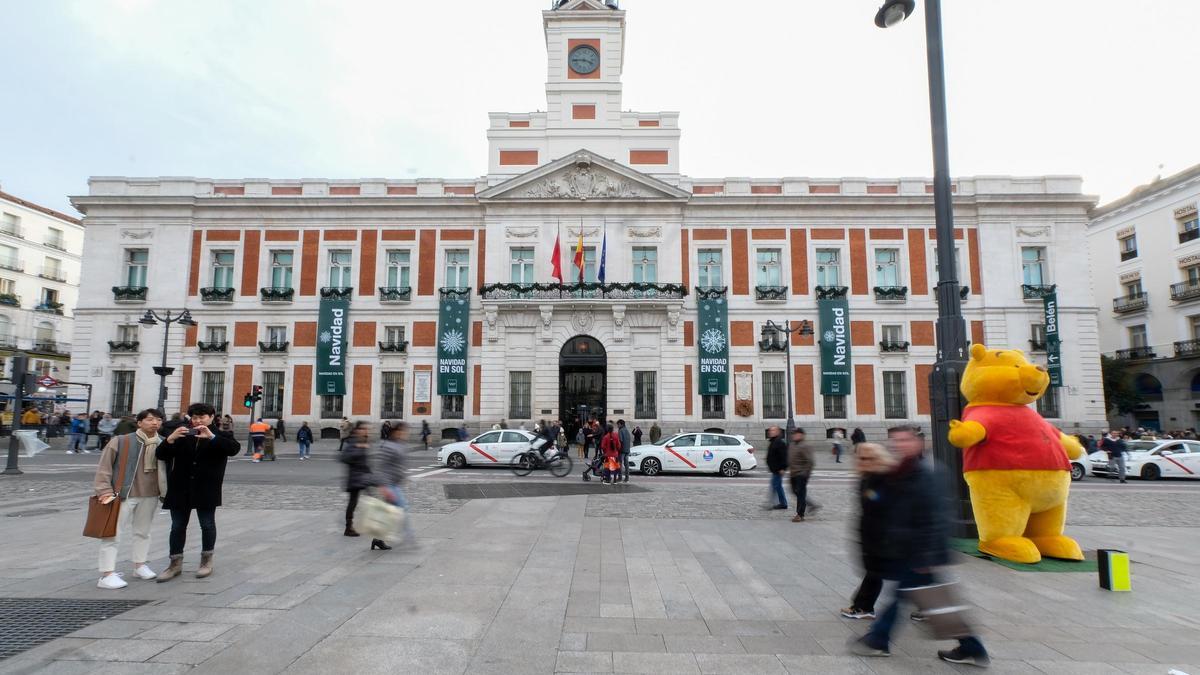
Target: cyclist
{"x":549,"y":432}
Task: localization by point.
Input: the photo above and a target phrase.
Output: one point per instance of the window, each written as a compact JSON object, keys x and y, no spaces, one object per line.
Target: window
{"x":1037,"y":336}
{"x":520,"y":395}
{"x":8,"y":287}
{"x":1137,"y":336}
{"x":212,"y":389}
{"x":1128,"y":246}
{"x":281,"y":269}
{"x":216,"y":334}
{"x":276,"y":335}
{"x":392,"y":394}
{"x":54,"y":238}
{"x":331,"y":406}
{"x":122,"y":392}
{"x":1133,"y":289}
{"x":397,"y":268}
{"x":895,"y":405}
{"x":774,"y":394}
{"x":452,"y":407}
{"x":770,"y":269}
{"x":222,"y":269}
{"x":10,"y":224}
{"x":712,"y":407}
{"x":887,"y":267}
{"x":49,"y":297}
{"x":393,"y":334}
{"x":44,"y":332}
{"x":709,"y":268}
{"x":1194,"y":324}
{"x":829,"y":267}
{"x":521,"y":265}
{"x":127,"y":333}
{"x":589,"y":265}
{"x":1048,"y":405}
{"x":272,"y":384}
{"x":1189,"y":230}
{"x":892,"y":333}
{"x":1033,"y":265}
{"x":458,"y":268}
{"x":645,"y":394}
{"x":340,"y":269}
{"x":645,"y":264}
{"x":136,"y":261}
{"x":1192,"y":274}
{"x":957,"y":265}
{"x":52,"y":268}
{"x":835,"y":407}
{"x":9,"y":259}
{"x":5,"y":332}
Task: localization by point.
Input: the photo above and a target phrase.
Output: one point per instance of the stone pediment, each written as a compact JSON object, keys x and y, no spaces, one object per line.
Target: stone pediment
{"x":594,"y":5}
{"x":581,"y":176}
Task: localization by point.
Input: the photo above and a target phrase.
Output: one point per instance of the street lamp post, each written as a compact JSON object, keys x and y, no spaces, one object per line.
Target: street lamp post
{"x":946,"y":401}
{"x":153,"y":318}
{"x":803,"y":328}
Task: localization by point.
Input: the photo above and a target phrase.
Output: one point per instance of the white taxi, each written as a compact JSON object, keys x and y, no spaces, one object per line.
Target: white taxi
{"x":491,"y":448}
{"x":1152,"y":460}
{"x":724,"y":454}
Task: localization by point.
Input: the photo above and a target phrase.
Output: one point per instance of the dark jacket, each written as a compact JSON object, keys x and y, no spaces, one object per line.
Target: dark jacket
{"x":390,"y":461}
{"x":1114,"y":446}
{"x":857,"y":436}
{"x":358,"y":474}
{"x":777,"y":454}
{"x":904,"y":525}
{"x":304,"y":434}
{"x":197,"y":469}
{"x":626,"y":439}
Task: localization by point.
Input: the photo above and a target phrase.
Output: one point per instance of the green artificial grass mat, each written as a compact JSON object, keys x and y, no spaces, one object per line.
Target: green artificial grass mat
{"x":971,"y":548}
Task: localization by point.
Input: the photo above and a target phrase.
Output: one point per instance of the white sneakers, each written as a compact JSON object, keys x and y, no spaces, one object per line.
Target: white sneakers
{"x":144,"y":572}
{"x":111,"y":582}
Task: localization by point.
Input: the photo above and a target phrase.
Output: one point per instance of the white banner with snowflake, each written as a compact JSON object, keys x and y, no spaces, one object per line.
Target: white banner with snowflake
{"x":713,"y":329}
{"x":453,"y":323}
{"x":333,"y":323}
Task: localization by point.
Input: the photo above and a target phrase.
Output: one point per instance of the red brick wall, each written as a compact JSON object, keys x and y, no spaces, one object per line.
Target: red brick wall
{"x":194,"y":272}
{"x":922,"y":376}
{"x":583,"y":111}
{"x":304,"y":334}
{"x":341,"y":235}
{"x":518,"y":157}
{"x":310,"y":250}
{"x":858,"y":262}
{"x":282,"y":235}
{"x":477,"y":334}
{"x":973,"y":252}
{"x":477,"y":381}
{"x":917,"y":275}
{"x":361,"y":400}
{"x":689,"y":334}
{"x":685,"y":263}
{"x":862,"y":333}
{"x":368,"y":251}
{"x":710,"y":234}
{"x":656,"y":157}
{"x":741,"y":263}
{"x":302,"y":383}
{"x":977,"y":332}
{"x":427,"y":265}
{"x":688,"y":393}
{"x":922,"y":333}
{"x":245,"y":334}
{"x":864,"y":389}
{"x":424,"y":333}
{"x":185,"y":390}
{"x":802,"y":382}
{"x":828,"y":234}
{"x":399,"y":235}
{"x":364,"y":334}
{"x":741,"y":334}
{"x":799,"y":262}
{"x":250,"y":263}
{"x":190,"y":335}
{"x":481,"y":256}
{"x":243,"y":379}
{"x":223,"y":235}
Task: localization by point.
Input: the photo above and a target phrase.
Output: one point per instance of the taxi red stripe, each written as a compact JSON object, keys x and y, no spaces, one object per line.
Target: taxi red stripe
{"x":681,"y":457}
{"x":476,"y":449}
{"x":1178,"y":465}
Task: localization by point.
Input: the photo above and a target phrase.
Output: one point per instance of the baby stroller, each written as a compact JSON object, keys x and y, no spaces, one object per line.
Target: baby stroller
{"x":595,"y":465}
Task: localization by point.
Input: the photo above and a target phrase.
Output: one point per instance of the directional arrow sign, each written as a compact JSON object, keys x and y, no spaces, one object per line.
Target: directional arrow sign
{"x":47,"y":381}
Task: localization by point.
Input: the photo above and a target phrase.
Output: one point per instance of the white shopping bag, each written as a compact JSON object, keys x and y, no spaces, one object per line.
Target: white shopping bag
{"x":376,"y":518}
{"x":30,"y":443}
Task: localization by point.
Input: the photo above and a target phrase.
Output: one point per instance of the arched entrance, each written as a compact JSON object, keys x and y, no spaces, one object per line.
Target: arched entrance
{"x":582,"y":382}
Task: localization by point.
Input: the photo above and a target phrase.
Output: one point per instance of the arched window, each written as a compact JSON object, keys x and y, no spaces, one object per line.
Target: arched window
{"x":1148,"y":387}
{"x":1196,"y":385}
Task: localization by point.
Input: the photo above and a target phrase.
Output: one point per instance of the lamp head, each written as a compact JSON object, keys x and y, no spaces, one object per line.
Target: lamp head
{"x":148,"y":319}
{"x":186,"y":319}
{"x":893,"y":12}
{"x":806,"y":327}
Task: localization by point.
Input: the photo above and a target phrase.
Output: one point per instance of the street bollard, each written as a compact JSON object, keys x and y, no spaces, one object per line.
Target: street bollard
{"x":1114,"y":570}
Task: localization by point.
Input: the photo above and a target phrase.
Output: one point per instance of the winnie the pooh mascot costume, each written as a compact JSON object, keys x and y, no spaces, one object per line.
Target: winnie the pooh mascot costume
{"x":1014,"y":461}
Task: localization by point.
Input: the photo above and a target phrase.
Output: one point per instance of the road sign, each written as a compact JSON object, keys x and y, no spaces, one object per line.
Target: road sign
{"x":47,"y":381}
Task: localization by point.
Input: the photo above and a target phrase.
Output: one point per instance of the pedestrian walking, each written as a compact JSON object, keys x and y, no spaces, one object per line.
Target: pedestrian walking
{"x":637,"y":435}
{"x":857,"y":436}
{"x":610,"y":445}
{"x":425,"y":433}
{"x":280,"y":430}
{"x":78,"y":441}
{"x":655,"y":432}
{"x":226,"y":424}
{"x":93,"y":427}
{"x":358,"y":470}
{"x":915,"y":529}
{"x":344,"y":431}
{"x":626,"y":445}
{"x":258,"y":437}
{"x":385,"y":430}
{"x":800,"y":466}
{"x":838,"y":441}
{"x":304,"y":439}
{"x":391,"y":480}
{"x":127,"y":425}
{"x":462,"y":431}
{"x":108,"y":427}
{"x":873,"y":463}
{"x":777,"y":464}
{"x":1116,"y":448}
{"x":196,"y":453}
{"x":129,"y":461}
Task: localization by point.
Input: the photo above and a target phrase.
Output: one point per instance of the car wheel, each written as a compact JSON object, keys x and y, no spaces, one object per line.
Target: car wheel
{"x":456,"y":461}
{"x":1151,"y":472}
{"x":651,"y":466}
{"x":730,"y":468}
{"x":1076,"y":471}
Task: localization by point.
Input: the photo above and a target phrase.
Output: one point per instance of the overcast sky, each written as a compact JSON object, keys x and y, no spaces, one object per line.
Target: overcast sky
{"x":1105,"y":89}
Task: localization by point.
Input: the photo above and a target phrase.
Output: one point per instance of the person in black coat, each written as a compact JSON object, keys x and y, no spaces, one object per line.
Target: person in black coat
{"x":196,"y":454}
{"x":358,"y":471}
{"x":777,"y":463}
{"x":857,"y":436}
{"x":873,"y":463}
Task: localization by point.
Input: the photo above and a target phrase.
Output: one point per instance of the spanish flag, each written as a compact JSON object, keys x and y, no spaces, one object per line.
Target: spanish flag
{"x":579,"y":255}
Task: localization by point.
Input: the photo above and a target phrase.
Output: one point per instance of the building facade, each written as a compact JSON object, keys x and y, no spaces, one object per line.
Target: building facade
{"x":1145,"y":253}
{"x":647,"y":255}
{"x":40,"y":251}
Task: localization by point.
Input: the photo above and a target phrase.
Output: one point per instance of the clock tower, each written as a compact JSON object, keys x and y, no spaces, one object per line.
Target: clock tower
{"x":585,"y":58}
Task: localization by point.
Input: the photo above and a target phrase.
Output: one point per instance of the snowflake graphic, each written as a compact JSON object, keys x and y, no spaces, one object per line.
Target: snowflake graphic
{"x":326,"y":337}
{"x":828,"y":336}
{"x":712,"y":340}
{"x":453,"y":341}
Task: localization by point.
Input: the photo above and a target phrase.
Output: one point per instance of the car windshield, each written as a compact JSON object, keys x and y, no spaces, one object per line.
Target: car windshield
{"x":664,"y":440}
{"x":1140,"y":446}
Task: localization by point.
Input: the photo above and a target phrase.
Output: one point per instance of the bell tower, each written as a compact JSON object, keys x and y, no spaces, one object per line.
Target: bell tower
{"x":585,"y":54}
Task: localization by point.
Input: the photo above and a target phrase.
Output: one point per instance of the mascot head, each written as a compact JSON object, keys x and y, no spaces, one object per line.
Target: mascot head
{"x":1002,"y":377}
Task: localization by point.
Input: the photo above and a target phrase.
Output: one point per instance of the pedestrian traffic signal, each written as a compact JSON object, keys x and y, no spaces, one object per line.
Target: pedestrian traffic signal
{"x":248,"y":401}
{"x":257,"y":393}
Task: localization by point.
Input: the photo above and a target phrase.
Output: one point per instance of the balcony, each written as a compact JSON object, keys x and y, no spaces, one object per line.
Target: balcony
{"x":1185,"y":290}
{"x":49,"y":347}
{"x":582,"y":291}
{"x":1189,"y":235}
{"x":1128,"y":255}
{"x":53,"y":274}
{"x":337,"y":292}
{"x":1187,"y":348}
{"x":129,"y":293}
{"x":123,"y":346}
{"x":395,"y":293}
{"x":1136,"y":353}
{"x":770,"y":293}
{"x":1037,"y":345}
{"x":10,"y":299}
{"x":15,"y":231}
{"x":50,"y":308}
{"x":890,"y":293}
{"x":14,"y":264}
{"x":213,"y":347}
{"x":893,"y":346}
{"x":394,"y":347}
{"x":8,"y":342}
{"x":57,"y":244}
{"x":1131,"y":303}
{"x":831,"y":292}
{"x":277,"y":294}
{"x":216,"y":294}
{"x":273,"y":347}
{"x":1037,"y":291}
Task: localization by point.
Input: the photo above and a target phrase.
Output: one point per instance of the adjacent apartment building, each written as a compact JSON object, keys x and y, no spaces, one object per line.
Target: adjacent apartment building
{"x":440,"y":300}
{"x":1145,"y":255}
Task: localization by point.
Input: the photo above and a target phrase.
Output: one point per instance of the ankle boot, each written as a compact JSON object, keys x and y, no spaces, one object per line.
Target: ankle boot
{"x":173,"y":570}
{"x":206,"y":565}
{"x":350,"y":531}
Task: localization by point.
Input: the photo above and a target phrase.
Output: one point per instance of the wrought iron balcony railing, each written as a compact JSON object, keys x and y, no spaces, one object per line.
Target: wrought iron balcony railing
{"x":277,"y":294}
{"x":273,"y":347}
{"x":129,"y":293}
{"x":831,"y":292}
{"x":711,"y":292}
{"x":338,"y":292}
{"x":1189,"y":235}
{"x":13,"y":231}
{"x":395,"y":293}
{"x":770,"y":293}
{"x":1128,"y":255}
{"x":50,"y":308}
{"x":10,"y":299}
{"x":890,"y":293}
{"x":582,"y":291}
{"x":56,"y":244}
{"x":1131,"y":303}
{"x":8,"y":342}
{"x":1136,"y":353}
{"x":1185,"y":290}
{"x":213,"y":347}
{"x":53,"y":274}
{"x":1187,"y":348}
{"x":216,"y":294}
{"x":400,"y":347}
{"x":1037,"y":291}
{"x":893,"y":346}
{"x":48,"y":347}
{"x":119,"y":346}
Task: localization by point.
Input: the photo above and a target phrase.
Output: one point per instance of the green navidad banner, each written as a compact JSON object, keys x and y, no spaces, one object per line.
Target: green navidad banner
{"x":332,"y":322}
{"x":452,"y":344}
{"x":713,"y":332}
{"x":834,"y":316}
{"x":1053,"y":339}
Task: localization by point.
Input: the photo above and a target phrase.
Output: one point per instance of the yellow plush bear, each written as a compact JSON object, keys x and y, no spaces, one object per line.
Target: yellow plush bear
{"x":1014,"y":461}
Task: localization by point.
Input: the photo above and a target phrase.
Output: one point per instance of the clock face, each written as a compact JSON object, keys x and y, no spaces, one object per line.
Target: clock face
{"x":584,"y":59}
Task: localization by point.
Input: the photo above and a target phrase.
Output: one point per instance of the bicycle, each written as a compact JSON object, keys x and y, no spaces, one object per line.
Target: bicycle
{"x":557,"y":463}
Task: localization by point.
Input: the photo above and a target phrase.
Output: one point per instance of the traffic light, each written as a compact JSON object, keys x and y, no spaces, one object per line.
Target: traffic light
{"x":257,"y":393}
{"x":248,"y":401}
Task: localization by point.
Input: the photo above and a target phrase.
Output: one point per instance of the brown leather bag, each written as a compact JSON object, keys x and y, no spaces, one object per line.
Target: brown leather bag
{"x":102,"y":518}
